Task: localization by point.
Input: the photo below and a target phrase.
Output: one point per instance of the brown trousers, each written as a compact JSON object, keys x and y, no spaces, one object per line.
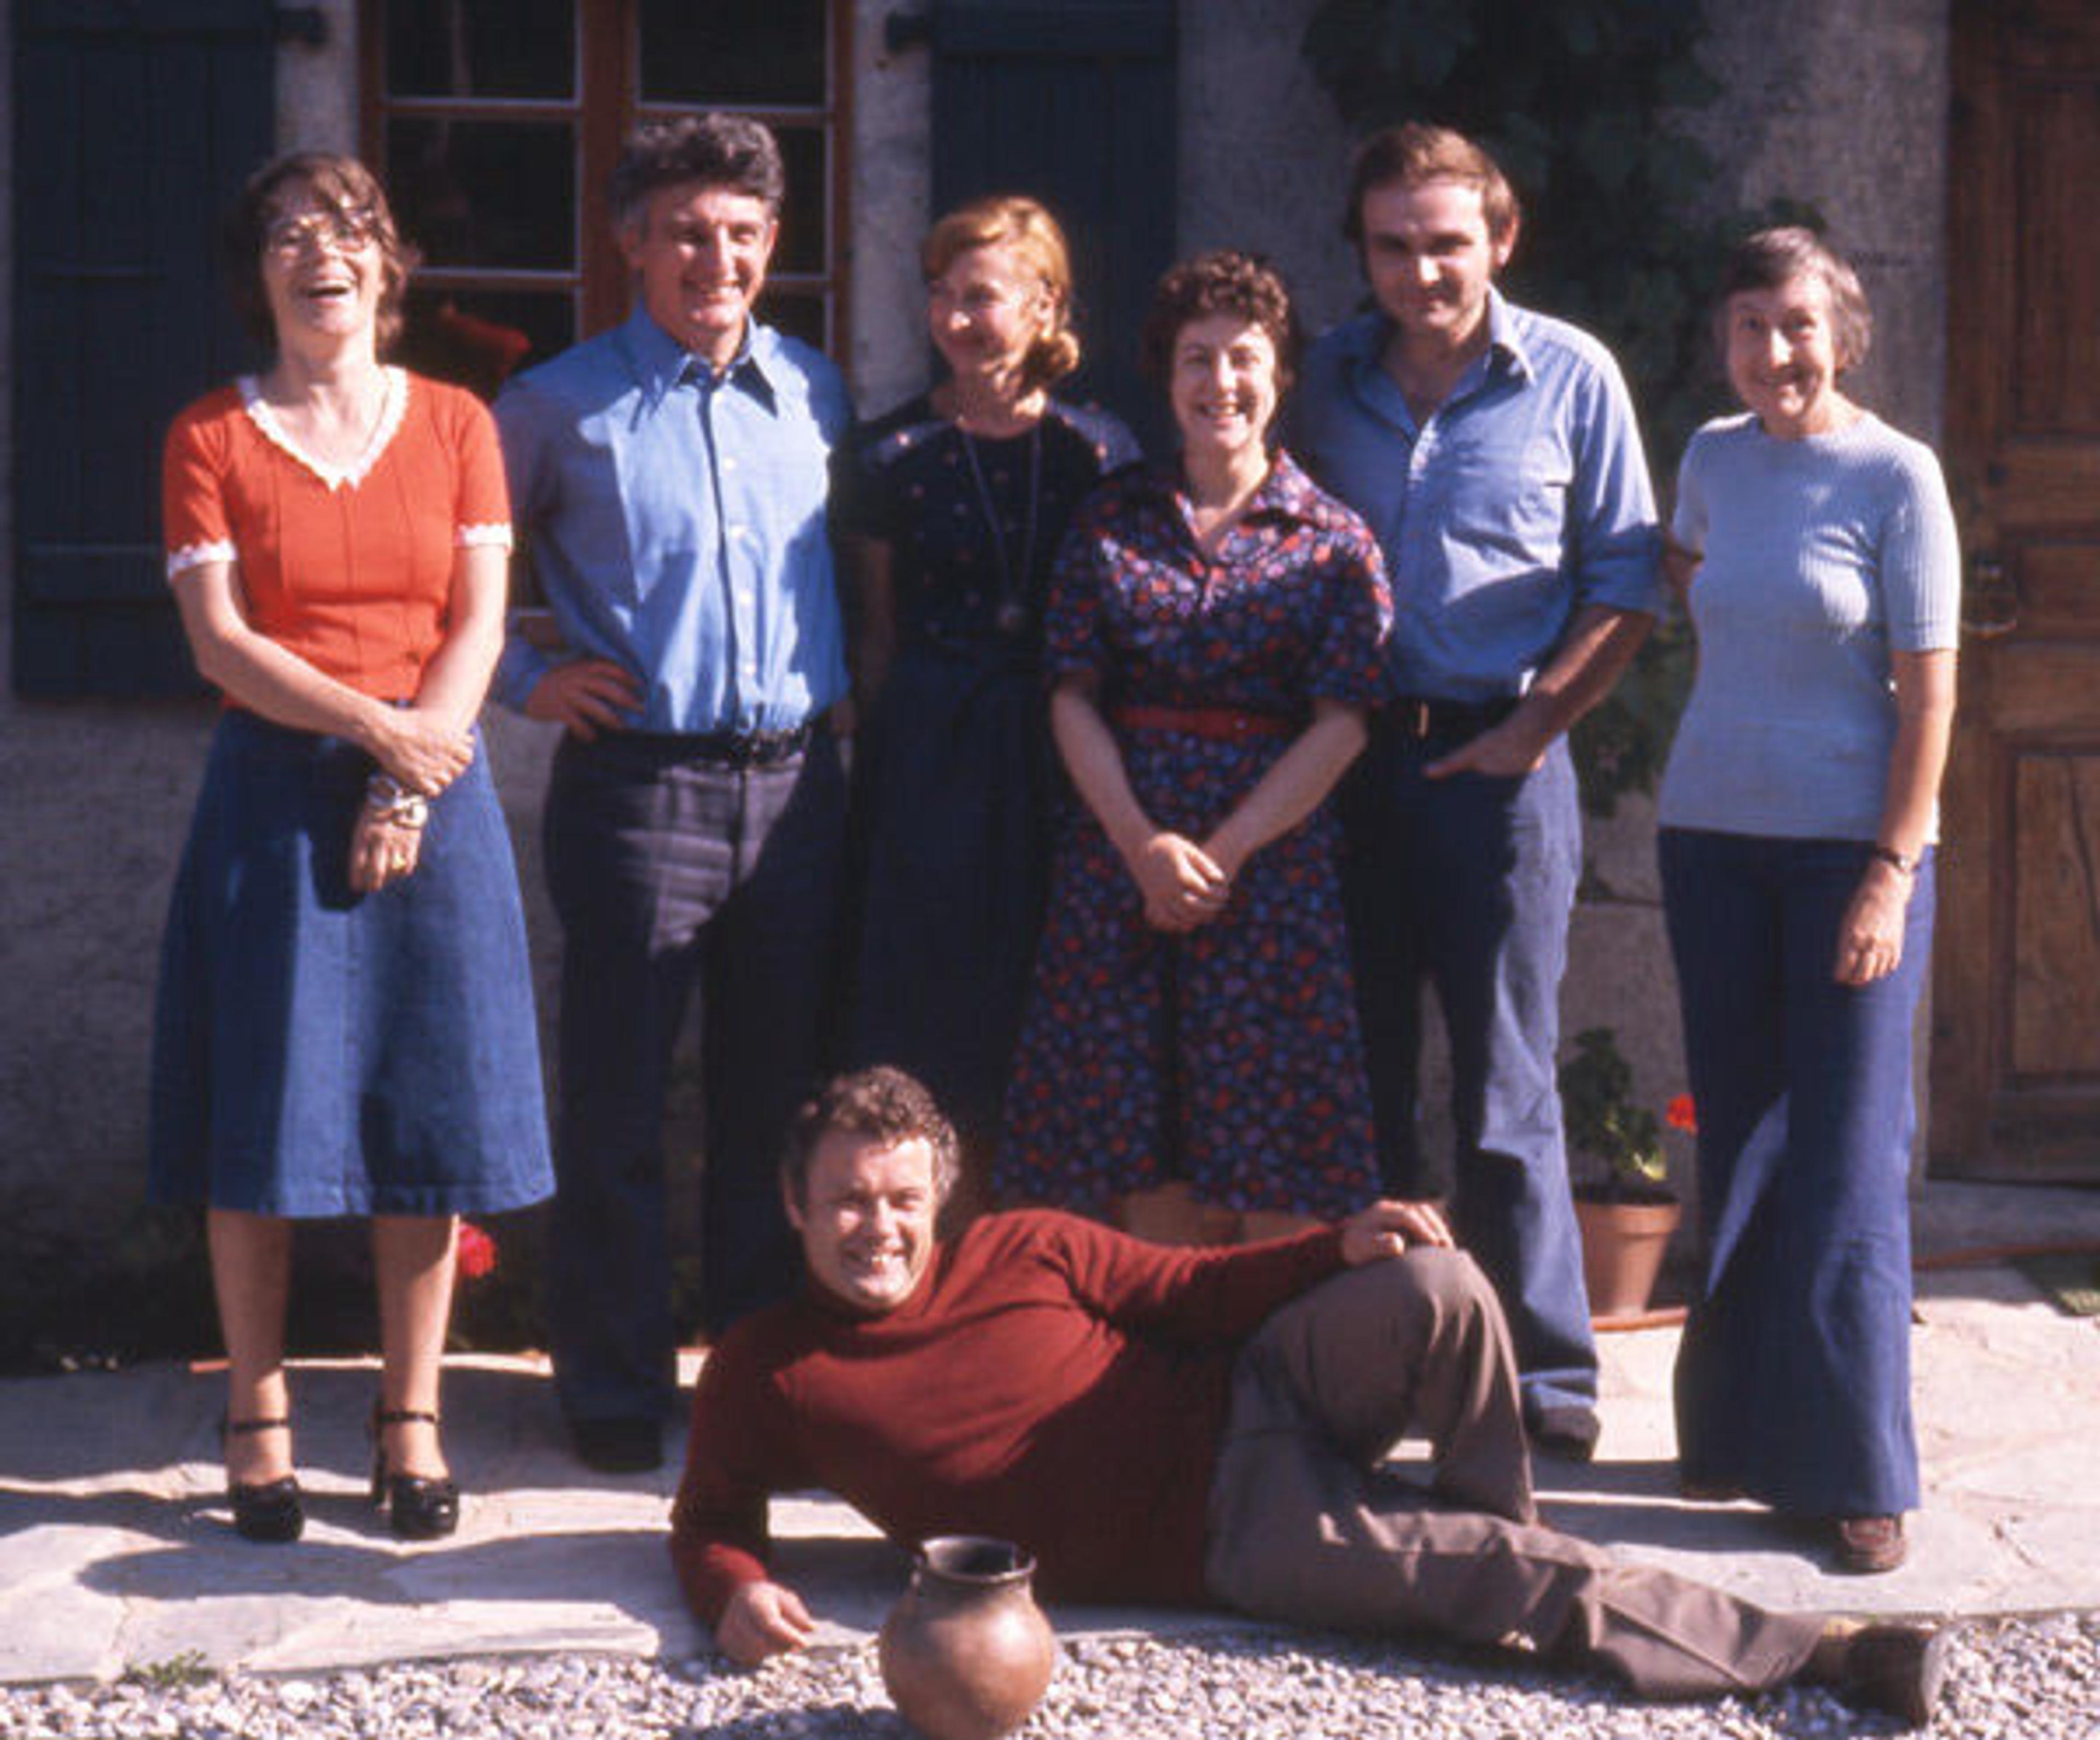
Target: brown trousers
{"x":1306,"y":1528}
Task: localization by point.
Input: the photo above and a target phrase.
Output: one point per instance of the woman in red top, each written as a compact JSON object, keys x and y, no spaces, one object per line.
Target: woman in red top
{"x":345,"y":1021}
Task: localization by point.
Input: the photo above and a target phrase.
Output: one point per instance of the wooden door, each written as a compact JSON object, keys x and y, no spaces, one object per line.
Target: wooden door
{"x":2016,"y":1039}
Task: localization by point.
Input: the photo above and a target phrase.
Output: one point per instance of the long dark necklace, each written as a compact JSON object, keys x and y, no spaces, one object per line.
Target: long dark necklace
{"x":1011,"y":614}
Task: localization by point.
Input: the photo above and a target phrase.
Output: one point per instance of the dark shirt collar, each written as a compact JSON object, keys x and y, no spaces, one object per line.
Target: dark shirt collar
{"x":1285,"y":494}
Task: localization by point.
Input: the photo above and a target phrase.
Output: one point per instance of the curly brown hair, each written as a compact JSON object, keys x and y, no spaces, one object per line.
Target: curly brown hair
{"x":882,"y":1104}
{"x":1224,"y":281}
{"x":734,"y":152}
{"x":352,"y":193}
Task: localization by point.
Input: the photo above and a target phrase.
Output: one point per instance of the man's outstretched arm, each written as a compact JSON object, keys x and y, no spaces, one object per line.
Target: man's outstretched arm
{"x":720,"y":1541}
{"x":1208,"y":1293}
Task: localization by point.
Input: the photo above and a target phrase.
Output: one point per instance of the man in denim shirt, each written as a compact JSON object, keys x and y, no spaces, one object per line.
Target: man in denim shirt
{"x":670,"y":479}
{"x":1493,"y":452}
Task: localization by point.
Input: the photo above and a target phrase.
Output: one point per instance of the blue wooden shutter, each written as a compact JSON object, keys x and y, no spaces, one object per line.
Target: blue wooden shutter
{"x":136,"y":122}
{"x":1075,"y":103}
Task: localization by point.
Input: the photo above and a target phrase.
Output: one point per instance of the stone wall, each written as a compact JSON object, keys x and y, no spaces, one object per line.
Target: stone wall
{"x":893,"y":207}
{"x":1846,"y":107}
{"x":1263,"y":150}
{"x":98,"y":799}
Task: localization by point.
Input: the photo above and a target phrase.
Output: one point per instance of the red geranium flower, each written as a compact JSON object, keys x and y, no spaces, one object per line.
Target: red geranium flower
{"x":474,"y":1251}
{"x":1681,"y":1115}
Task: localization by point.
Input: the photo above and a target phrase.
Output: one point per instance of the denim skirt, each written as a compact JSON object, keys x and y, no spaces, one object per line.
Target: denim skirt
{"x":318,"y":1052}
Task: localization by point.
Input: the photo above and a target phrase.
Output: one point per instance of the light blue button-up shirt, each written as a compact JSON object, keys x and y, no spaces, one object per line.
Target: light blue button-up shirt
{"x":675,"y":523}
{"x":1521,"y":498}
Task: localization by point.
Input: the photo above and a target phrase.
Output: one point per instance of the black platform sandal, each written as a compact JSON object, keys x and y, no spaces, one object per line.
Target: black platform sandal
{"x":270,"y":1511}
{"x":419,"y":1507}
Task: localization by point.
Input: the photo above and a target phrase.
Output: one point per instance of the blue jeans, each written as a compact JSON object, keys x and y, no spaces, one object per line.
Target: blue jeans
{"x":679,"y":881}
{"x":318,"y":1052}
{"x":1794,"y":1375}
{"x":1467,"y":884}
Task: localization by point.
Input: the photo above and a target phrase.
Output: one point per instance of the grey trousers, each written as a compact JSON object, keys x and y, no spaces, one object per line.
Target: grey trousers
{"x":1306,"y":1528}
{"x":684,"y":887}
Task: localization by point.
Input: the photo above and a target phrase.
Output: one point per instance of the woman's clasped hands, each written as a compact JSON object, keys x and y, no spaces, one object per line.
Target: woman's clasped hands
{"x":381,"y":851}
{"x":420,"y":750}
{"x":1184,"y":886}
{"x":419,"y":755}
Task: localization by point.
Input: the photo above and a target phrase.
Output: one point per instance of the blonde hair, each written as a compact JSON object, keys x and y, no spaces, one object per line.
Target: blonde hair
{"x":1024,"y":225}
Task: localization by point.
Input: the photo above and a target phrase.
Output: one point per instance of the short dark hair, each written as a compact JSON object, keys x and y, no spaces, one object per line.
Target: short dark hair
{"x":1415,"y":154}
{"x":1224,"y":281}
{"x":1770,"y":258}
{"x":883,"y":1104}
{"x":349,"y":189}
{"x":724,"y":151}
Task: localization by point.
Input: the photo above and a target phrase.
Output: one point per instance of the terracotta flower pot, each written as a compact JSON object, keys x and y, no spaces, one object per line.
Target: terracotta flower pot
{"x":966,"y":1653}
{"x":1623,"y":1246}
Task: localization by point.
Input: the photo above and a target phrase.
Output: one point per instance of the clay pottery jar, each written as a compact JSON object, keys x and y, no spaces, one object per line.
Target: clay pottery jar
{"x":966,"y":1653}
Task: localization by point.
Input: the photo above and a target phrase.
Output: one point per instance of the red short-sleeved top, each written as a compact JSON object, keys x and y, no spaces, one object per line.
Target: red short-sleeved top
{"x":351,"y":569}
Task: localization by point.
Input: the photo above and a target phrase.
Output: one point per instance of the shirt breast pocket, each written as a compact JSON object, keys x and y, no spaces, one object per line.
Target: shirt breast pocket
{"x":1509,"y":490}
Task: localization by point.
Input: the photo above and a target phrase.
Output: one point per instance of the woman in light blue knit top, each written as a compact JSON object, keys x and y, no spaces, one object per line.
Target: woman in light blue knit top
{"x":1816,"y":552}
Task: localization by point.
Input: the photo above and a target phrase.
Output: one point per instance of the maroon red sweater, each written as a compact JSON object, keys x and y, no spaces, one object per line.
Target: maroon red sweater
{"x":1050,"y":1382}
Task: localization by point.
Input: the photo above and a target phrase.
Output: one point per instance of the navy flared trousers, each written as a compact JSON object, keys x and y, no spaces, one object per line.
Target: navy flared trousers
{"x":1793,"y":1377}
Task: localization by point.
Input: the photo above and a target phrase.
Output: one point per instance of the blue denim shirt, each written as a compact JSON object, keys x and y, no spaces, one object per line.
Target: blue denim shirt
{"x":675,"y":523}
{"x":1521,"y":498}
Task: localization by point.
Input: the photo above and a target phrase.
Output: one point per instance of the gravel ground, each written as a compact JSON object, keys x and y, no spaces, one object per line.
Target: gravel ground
{"x":2031,"y":1680}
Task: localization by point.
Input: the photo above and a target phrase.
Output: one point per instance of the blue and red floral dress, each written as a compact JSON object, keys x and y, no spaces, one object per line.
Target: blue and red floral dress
{"x":1227,"y":1056}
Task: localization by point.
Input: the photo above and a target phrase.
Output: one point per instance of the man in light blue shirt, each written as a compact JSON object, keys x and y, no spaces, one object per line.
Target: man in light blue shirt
{"x":1493,"y":452}
{"x":670,"y":478}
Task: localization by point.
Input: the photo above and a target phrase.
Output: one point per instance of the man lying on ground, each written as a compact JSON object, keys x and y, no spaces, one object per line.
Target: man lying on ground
{"x":1182,"y":1427}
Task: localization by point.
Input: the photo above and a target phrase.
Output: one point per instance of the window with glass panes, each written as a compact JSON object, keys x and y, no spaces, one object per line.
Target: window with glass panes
{"x":495,"y":123}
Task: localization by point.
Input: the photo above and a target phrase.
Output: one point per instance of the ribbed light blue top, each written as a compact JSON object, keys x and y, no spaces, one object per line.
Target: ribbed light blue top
{"x":1820,"y":557}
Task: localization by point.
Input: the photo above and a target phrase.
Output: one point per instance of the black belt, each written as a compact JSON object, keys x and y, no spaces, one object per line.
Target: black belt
{"x":1417,"y":718}
{"x":736,"y":749}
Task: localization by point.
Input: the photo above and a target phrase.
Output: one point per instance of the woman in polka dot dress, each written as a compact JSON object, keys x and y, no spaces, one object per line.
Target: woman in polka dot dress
{"x":954,"y":506}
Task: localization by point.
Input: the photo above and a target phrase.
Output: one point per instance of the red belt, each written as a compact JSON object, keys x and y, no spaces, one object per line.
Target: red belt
{"x":1225,"y":724}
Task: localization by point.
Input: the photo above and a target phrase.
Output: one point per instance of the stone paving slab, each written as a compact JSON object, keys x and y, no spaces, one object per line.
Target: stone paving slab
{"x":115,"y":1550}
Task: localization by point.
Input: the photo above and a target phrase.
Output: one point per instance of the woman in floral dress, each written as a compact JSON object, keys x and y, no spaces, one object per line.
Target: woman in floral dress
{"x":1190,"y":1063}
